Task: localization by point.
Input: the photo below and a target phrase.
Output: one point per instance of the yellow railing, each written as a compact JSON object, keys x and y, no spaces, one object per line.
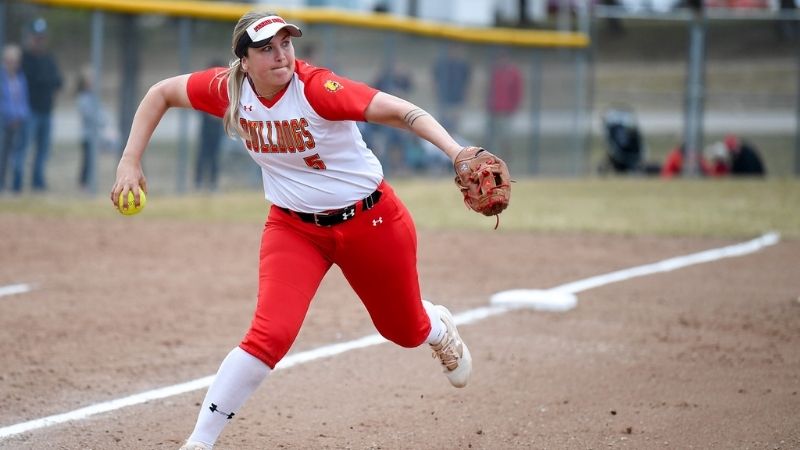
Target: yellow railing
{"x":230,"y":11}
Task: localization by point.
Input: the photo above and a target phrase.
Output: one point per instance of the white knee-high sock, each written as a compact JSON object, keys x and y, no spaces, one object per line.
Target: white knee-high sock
{"x":438,"y":328}
{"x":237,"y":378}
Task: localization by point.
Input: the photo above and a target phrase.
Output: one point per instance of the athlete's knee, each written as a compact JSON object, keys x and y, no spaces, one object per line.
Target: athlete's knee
{"x":259,"y":351}
{"x":268,"y":346}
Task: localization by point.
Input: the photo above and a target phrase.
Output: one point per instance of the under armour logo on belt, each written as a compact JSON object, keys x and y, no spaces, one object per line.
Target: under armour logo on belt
{"x":377,"y":221}
{"x":248,"y":107}
{"x":348,"y":214}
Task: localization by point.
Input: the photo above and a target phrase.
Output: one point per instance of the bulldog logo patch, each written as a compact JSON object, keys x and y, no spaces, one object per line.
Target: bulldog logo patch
{"x":332,"y":86}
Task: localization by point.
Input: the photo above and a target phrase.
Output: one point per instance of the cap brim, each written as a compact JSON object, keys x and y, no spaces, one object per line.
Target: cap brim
{"x":261,"y":32}
{"x":293,"y":31}
{"x":266,"y":28}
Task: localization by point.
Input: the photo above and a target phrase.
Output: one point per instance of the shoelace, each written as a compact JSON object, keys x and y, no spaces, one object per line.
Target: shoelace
{"x":447,"y":352}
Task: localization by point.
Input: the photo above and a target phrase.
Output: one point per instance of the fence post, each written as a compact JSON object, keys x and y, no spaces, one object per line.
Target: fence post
{"x":129,"y":85}
{"x":693,"y":118}
{"x":797,"y":104}
{"x":184,"y":58}
{"x":581,"y":93}
{"x":96,"y":87}
{"x":3,"y":14}
{"x":536,"y":106}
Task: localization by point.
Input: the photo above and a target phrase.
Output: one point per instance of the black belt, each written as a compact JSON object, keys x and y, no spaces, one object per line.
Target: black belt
{"x":337,"y":216}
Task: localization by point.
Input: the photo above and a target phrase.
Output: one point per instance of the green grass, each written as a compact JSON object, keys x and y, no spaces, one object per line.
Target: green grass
{"x":730,"y":208}
{"x":627,"y":206}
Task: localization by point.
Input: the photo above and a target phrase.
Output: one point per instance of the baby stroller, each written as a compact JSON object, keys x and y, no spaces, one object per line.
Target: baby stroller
{"x":624,"y":145}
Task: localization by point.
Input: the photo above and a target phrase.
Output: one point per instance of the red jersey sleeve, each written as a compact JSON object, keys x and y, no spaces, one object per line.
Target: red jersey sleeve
{"x":334,"y":97}
{"x":208,"y":92}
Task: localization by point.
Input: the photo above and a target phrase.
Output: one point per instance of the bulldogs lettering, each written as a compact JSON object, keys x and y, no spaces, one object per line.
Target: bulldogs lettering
{"x":273,"y":136}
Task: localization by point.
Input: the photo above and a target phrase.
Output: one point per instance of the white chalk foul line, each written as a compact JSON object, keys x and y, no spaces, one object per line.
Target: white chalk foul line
{"x":177,"y":389}
{"x":671,"y":264}
{"x":467,"y":317}
{"x":563,"y":297}
{"x":12,"y":289}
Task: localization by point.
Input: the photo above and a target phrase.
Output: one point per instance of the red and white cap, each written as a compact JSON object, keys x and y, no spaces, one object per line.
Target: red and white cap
{"x":260,"y":32}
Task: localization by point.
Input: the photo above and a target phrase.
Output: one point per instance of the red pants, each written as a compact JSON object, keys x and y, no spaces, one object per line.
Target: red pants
{"x":377,"y":253}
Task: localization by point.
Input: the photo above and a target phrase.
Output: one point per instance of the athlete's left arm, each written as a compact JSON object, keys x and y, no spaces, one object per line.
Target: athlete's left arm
{"x":387,"y":109}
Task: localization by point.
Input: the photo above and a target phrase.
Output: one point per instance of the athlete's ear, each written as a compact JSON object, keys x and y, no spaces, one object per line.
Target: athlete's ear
{"x":243,"y":63}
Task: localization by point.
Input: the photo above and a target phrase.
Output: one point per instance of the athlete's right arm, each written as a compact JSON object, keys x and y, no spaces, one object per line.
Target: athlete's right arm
{"x":168,"y":93}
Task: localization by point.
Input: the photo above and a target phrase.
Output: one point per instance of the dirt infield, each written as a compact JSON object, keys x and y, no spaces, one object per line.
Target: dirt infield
{"x":703,"y":357}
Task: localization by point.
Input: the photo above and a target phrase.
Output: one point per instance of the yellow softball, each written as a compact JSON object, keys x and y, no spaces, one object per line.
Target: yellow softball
{"x":132,"y":208}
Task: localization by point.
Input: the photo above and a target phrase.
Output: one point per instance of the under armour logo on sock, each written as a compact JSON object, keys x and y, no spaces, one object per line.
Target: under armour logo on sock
{"x":377,"y":221}
{"x":214,"y":408}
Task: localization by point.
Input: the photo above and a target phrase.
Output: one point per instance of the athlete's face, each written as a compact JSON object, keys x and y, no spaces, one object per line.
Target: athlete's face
{"x":271,"y":66}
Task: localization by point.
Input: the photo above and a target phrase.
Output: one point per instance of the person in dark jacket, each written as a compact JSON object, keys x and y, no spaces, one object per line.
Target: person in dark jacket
{"x":735,"y":157}
{"x":44,"y":80}
{"x":744,"y":158}
{"x":210,"y":139}
{"x":452,"y":74}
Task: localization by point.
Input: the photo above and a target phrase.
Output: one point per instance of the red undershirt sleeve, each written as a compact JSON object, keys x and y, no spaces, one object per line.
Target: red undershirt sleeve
{"x":208,"y":93}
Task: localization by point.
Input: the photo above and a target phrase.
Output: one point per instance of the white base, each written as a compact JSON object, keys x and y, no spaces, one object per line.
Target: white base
{"x":537,"y":299}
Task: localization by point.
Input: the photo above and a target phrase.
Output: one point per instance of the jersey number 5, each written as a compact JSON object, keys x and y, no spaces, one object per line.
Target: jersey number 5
{"x":315,"y":162}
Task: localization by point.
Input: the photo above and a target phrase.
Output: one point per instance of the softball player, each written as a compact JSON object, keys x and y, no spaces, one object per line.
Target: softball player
{"x":330,"y":203}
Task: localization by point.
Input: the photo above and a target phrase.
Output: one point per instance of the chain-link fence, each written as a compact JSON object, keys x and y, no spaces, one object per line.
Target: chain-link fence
{"x":524,"y":102}
{"x":748,"y":64}
{"x":541,"y":107}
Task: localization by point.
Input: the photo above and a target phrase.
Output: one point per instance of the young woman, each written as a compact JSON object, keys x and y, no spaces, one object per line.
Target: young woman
{"x":330,"y":203}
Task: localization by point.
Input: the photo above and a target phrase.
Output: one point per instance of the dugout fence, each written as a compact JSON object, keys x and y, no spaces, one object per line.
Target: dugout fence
{"x":132,"y":44}
{"x":744,"y":81}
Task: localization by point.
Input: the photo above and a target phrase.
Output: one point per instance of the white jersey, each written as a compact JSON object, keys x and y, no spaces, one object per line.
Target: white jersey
{"x":305,"y":140}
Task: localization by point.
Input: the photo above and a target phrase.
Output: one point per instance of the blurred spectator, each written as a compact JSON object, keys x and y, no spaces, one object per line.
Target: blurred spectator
{"x":14,"y":113}
{"x":719,"y":159}
{"x":624,"y":143}
{"x":505,"y":96}
{"x":673,"y":163}
{"x":44,"y":80}
{"x":309,"y":54}
{"x":614,"y":23}
{"x":451,"y":75}
{"x":787,"y":29}
{"x":736,"y":157}
{"x":381,"y":7}
{"x":96,"y":134}
{"x":736,"y":4}
{"x":392,"y":145}
{"x":206,"y":172}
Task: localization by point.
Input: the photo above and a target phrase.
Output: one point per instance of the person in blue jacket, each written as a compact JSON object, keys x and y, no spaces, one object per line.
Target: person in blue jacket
{"x":14,"y":114}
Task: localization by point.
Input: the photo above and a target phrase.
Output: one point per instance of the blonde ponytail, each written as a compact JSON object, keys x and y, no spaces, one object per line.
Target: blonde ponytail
{"x":236,"y":77}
